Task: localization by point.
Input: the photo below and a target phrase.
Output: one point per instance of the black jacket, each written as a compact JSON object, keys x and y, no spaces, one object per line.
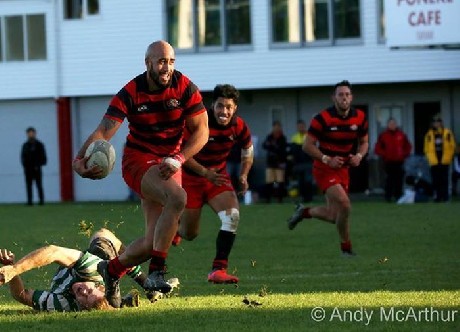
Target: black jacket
{"x":276,"y":150}
{"x":33,"y":154}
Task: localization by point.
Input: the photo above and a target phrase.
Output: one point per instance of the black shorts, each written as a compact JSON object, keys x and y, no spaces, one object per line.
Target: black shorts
{"x":102,"y":248}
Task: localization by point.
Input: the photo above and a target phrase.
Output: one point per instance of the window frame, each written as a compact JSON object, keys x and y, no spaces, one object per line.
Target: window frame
{"x":381,"y":38}
{"x":222,"y":21}
{"x":84,"y":9}
{"x":330,"y":25}
{"x":224,"y":46}
{"x":25,"y":38}
{"x":24,"y":43}
{"x":331,"y":41}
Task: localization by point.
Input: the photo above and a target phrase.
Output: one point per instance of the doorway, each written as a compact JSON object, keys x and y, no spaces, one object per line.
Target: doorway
{"x":423,"y":114}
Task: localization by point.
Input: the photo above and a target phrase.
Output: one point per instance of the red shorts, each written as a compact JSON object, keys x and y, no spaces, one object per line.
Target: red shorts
{"x":326,"y":176}
{"x":200,"y":190}
{"x":134,"y":166}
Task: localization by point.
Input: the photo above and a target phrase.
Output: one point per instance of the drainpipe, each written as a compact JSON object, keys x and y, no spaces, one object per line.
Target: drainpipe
{"x":64,"y":118}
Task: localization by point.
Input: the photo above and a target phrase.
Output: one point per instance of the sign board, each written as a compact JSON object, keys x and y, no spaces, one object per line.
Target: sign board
{"x":422,"y":22}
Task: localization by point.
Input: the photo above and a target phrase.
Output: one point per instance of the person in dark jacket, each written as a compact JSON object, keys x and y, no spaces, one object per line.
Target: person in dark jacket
{"x":276,"y":145}
{"x":33,"y":157}
{"x":393,"y":147}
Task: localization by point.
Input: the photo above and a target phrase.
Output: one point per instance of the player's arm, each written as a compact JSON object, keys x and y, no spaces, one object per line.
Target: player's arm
{"x":105,"y":130}
{"x":210,"y":174}
{"x":247,"y":159}
{"x":197,"y":125}
{"x":196,"y":167}
{"x":17,"y":290}
{"x":199,"y":133}
{"x":38,"y":258}
{"x":19,"y":293}
{"x":310,"y":147}
{"x":363,"y":147}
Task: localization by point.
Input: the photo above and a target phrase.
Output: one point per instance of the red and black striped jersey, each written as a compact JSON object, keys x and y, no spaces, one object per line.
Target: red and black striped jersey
{"x":221,"y":140}
{"x":337,"y":135}
{"x":156,"y":118}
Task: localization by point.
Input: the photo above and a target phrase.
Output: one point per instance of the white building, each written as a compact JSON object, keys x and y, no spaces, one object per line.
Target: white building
{"x":62,"y":60}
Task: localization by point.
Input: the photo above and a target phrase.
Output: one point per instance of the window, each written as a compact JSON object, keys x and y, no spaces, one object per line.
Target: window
{"x":381,"y":16}
{"x":180,"y":23}
{"x":347,"y":23}
{"x":78,"y":9}
{"x":36,"y":37}
{"x":316,"y":18}
{"x":24,"y":38}
{"x":238,"y":22}
{"x":209,"y":21}
{"x":313,"y":21}
{"x":206,"y":24}
{"x":385,"y":112}
{"x":93,"y":7}
{"x":14,"y":38}
{"x":286,"y":15}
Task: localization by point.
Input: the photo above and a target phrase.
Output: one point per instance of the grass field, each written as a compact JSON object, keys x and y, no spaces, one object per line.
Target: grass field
{"x":405,"y":277}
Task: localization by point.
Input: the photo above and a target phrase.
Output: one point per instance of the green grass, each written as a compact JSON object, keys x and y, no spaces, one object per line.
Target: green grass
{"x":408,"y":259}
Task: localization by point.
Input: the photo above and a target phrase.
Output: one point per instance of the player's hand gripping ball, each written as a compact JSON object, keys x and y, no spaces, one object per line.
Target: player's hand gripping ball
{"x":101,"y":153}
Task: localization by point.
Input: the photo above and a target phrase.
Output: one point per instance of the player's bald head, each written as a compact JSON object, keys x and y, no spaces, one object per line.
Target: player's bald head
{"x":159,"y":49}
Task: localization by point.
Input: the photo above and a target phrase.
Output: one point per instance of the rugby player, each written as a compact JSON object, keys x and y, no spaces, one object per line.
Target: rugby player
{"x":205,"y":178}
{"x":337,"y":139}
{"x":158,"y":104}
{"x":76,"y":285}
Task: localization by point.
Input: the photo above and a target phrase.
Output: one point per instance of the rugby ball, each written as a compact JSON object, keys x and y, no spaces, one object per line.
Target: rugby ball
{"x":101,"y":153}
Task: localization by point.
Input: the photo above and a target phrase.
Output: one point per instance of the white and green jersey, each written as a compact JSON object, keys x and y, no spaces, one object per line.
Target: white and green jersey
{"x":60,"y":296}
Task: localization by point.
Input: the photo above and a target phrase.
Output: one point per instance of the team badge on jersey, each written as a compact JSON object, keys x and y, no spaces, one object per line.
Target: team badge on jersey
{"x":173,"y":103}
{"x":354,"y":127}
{"x":142,"y":108}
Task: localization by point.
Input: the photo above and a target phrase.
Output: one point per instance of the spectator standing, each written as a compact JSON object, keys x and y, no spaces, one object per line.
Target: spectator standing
{"x":439,"y":148}
{"x":393,"y":147}
{"x":302,"y":163}
{"x":33,"y":157}
{"x":276,"y":145}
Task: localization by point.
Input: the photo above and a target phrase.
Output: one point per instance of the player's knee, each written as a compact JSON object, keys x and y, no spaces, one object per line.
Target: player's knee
{"x":230,"y":219}
{"x":343,"y":203}
{"x":177,"y":199}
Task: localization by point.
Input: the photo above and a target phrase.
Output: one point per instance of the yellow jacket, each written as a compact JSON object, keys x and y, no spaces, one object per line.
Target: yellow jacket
{"x":448,"y":147}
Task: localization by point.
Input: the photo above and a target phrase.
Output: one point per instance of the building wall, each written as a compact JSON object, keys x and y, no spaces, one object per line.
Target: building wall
{"x":100,"y":54}
{"x":97,"y":55}
{"x":87,"y":113}
{"x":15,"y":117}
{"x":30,"y":79}
{"x":255,"y":107}
{"x":91,"y":59}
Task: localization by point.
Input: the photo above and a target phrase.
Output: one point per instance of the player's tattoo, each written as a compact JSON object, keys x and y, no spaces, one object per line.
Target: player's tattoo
{"x":108,"y":124}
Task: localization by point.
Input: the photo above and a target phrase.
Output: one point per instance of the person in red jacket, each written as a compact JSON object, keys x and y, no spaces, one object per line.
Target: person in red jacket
{"x":393,"y":147}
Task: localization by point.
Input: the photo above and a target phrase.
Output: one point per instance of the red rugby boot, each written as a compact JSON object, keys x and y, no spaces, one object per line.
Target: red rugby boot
{"x":220,"y":276}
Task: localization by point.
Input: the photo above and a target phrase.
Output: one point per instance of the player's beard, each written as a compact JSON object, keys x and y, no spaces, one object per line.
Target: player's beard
{"x":342,"y":108}
{"x":155,"y":77}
